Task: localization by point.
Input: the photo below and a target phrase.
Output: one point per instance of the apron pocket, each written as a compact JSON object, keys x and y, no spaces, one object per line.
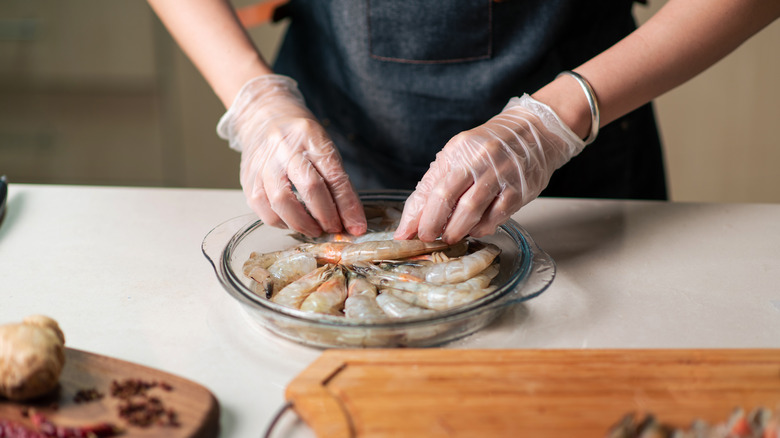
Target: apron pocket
{"x":432,"y":31}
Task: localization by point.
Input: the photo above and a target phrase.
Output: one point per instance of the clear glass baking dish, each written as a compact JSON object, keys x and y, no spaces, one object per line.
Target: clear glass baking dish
{"x":525,"y":272}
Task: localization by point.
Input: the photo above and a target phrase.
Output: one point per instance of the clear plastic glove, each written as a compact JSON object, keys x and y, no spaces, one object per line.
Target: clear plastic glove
{"x":484,"y":175}
{"x":283,"y":147}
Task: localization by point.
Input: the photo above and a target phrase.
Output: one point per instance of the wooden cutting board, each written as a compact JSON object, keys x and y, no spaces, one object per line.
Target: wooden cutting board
{"x":532,"y":393}
{"x":196,"y":408}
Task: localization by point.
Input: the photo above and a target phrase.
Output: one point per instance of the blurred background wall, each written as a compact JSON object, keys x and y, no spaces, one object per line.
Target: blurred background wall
{"x":96,"y":92}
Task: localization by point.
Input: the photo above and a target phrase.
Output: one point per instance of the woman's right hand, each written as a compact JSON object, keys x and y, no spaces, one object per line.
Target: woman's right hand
{"x":283,"y":147}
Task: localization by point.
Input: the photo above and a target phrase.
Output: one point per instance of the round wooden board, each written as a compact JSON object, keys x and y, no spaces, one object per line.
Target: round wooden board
{"x":196,"y":408}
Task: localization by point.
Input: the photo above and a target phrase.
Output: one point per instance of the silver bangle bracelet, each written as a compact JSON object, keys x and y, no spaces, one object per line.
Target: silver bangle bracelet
{"x":592,"y":102}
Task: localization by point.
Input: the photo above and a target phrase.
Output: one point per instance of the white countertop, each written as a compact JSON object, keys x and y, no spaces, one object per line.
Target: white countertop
{"x":122,"y":271}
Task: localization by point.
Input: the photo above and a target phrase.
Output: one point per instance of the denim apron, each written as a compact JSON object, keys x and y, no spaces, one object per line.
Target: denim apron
{"x":393,"y":80}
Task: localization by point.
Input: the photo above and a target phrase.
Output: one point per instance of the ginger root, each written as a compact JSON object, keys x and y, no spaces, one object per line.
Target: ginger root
{"x":32,"y":355}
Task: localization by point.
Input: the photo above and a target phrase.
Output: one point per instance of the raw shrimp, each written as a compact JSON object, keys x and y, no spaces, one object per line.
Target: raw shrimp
{"x":414,"y":268}
{"x":406,"y":271}
{"x":361,"y":302}
{"x":438,"y":296}
{"x":342,"y":237}
{"x":482,"y":279}
{"x":375,"y":236}
{"x":296,"y":292}
{"x":462,"y":268}
{"x":324,"y":252}
{"x":455,"y":250}
{"x":323,"y":238}
{"x":264,"y":260}
{"x":388,"y":250}
{"x":439,"y":269}
{"x":329,"y":296}
{"x":284,"y":269}
{"x":287,"y":270}
{"x":256,"y":268}
{"x":348,"y":253}
{"x":442,"y":299}
{"x":398,"y":308}
{"x":263,"y":282}
{"x":410,"y":283}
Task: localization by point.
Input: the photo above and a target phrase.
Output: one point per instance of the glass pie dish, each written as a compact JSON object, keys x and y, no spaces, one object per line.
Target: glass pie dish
{"x":525,"y":272}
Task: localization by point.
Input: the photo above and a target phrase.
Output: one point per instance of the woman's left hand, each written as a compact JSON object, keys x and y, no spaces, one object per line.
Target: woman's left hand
{"x":484,"y":175}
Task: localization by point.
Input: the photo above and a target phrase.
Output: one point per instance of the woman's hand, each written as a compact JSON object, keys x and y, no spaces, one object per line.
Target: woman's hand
{"x":283,"y":147}
{"x":484,"y":175}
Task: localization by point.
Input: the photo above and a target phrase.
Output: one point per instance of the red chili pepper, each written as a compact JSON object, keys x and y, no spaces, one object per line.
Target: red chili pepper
{"x":45,"y":428}
{"x":741,"y":427}
{"x":9,"y":429}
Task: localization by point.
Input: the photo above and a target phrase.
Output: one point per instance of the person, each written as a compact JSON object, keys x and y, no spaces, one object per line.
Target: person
{"x":432,"y":96}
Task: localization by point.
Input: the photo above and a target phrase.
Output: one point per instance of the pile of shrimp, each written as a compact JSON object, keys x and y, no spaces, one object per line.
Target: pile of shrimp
{"x":372,"y":277}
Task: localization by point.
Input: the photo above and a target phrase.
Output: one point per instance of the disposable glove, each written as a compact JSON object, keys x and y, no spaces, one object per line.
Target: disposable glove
{"x":284,"y":149}
{"x":483,"y":176}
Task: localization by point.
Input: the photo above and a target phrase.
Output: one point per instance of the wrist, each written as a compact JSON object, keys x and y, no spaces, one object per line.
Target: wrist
{"x":227,"y":87}
{"x":565,"y":96}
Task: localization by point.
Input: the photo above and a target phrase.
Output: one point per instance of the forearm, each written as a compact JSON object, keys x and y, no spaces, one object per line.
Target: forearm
{"x":214,"y":40}
{"x":683,"y":39}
